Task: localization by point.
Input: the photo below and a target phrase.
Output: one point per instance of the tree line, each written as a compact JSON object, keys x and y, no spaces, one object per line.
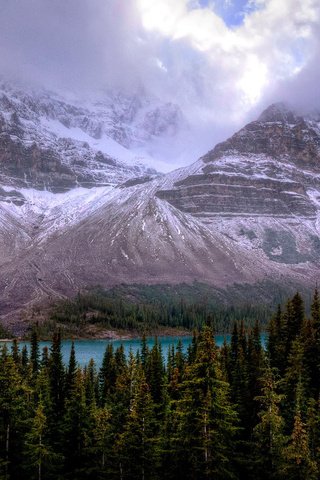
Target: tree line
{"x":119,"y":313}
{"x":240,"y":411}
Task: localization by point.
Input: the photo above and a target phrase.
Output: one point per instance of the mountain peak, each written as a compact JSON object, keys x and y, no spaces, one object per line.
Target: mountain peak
{"x":54,"y":142}
{"x":277,"y":134}
{"x":278,"y":112}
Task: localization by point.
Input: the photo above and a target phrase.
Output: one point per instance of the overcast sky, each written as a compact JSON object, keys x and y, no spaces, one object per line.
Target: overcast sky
{"x":222,"y":61}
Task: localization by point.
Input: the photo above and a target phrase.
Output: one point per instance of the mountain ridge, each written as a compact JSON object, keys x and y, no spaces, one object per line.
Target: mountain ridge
{"x":48,"y":142}
{"x":238,"y":215}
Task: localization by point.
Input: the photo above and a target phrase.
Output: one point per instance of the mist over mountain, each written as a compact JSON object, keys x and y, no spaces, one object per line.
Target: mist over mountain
{"x":220,"y":62}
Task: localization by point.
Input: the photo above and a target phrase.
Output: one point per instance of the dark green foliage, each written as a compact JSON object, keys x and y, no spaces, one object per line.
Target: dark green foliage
{"x":269,"y":437}
{"x":207,"y":420}
{"x":56,"y":376}
{"x":150,"y":312}
{"x":237,"y":412}
{"x":4,"y":333}
{"x":107,"y":373}
{"x":34,"y":354}
{"x":71,"y":372}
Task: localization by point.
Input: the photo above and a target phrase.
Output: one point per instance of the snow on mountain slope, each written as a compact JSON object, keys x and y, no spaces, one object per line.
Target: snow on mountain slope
{"x":248,"y":210}
{"x":49,"y":142}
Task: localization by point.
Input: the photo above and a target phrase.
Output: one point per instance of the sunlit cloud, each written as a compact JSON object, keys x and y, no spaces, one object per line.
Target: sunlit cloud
{"x":258,"y":52}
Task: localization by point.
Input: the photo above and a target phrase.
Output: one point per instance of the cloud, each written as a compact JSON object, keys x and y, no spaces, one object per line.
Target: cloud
{"x":188,"y":51}
{"x":81,"y":43}
{"x":226,"y":75}
{"x":265,"y":48}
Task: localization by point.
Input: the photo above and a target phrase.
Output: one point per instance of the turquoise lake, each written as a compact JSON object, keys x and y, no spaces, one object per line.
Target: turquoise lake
{"x":87,"y":349}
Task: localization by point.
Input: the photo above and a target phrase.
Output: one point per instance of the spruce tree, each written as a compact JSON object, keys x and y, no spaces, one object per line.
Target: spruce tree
{"x":107,"y":374}
{"x":207,"y":421}
{"x":269,"y":437}
{"x":313,"y":428}
{"x":136,"y":446}
{"x":15,"y":352}
{"x":101,"y":443}
{"x":13,"y":410}
{"x":34,"y":353}
{"x":75,"y":426}
{"x":71,"y":372}
{"x":155,"y":373}
{"x":300,"y":465}
{"x":39,"y":454}
{"x":57,"y":377}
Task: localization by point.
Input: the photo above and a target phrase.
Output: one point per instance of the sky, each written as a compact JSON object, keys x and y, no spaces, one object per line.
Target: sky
{"x":221,"y":61}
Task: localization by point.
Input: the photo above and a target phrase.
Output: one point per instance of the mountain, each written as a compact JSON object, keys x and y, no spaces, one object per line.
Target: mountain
{"x":53,"y":143}
{"x":246,"y":212}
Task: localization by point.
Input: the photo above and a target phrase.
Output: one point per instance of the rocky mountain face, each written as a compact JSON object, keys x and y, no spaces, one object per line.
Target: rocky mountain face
{"x":264,"y":169}
{"x":48,"y":142}
{"x":246,"y":211}
{"x":261,"y":188}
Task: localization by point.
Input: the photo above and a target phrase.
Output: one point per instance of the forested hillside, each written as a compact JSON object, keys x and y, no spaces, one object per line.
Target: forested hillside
{"x":101,"y":309}
{"x":235,"y":412}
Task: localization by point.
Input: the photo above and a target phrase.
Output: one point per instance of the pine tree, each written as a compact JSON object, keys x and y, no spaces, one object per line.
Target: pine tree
{"x":294,"y":320}
{"x":255,"y":364}
{"x":269,"y":432}
{"x":300,"y":464}
{"x":56,"y":377}
{"x":155,"y":373}
{"x":75,"y":425}
{"x":38,"y":451}
{"x":295,"y":377}
{"x":277,"y":340}
{"x":107,"y":374}
{"x":24,"y":360}
{"x":42,"y":391}
{"x":34,"y":354}
{"x":239,"y":374}
{"x":91,"y":383}
{"x":15,"y":352}
{"x":207,"y":422}
{"x":179,"y":358}
{"x":313,"y":428}
{"x":13,"y":409}
{"x":71,"y":371}
{"x":45,"y":358}
{"x":315,"y":354}
{"x":137,"y":453}
{"x":310,"y":359}
{"x":120,"y":360}
{"x":144,"y":351}
{"x":120,"y":407}
{"x":101,"y":445}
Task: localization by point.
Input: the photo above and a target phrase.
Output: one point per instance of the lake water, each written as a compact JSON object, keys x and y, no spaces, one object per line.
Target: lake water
{"x":87,"y":349}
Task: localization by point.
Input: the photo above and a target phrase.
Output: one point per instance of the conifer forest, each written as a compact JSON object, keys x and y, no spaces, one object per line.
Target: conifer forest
{"x":242,"y":411}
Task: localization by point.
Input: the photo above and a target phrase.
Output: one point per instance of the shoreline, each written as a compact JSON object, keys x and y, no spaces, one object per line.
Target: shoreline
{"x":110,"y":335}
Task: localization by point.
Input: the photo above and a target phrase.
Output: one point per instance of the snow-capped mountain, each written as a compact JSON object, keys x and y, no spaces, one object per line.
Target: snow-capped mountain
{"x":246,"y":211}
{"x":53,"y":143}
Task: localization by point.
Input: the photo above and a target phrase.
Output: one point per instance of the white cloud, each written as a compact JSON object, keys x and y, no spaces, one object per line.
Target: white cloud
{"x":255,"y":54}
